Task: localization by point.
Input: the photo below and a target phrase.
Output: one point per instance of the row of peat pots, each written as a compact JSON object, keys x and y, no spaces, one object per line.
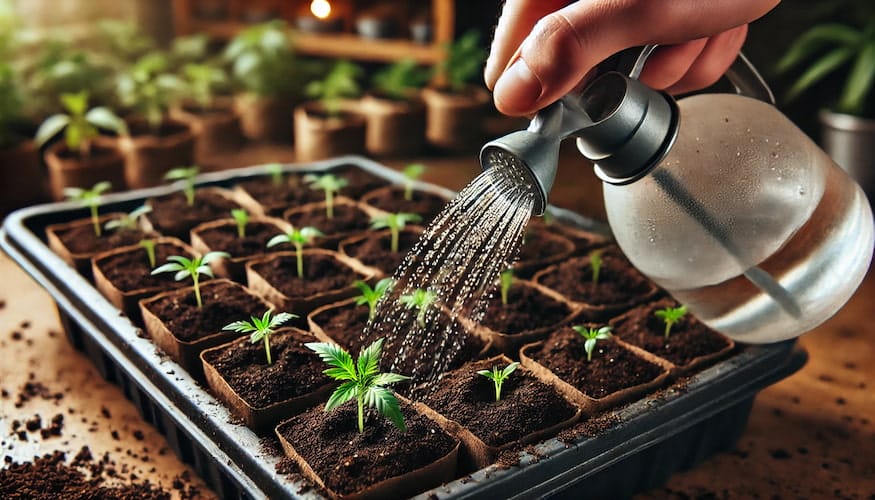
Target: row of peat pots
{"x":454,"y":427}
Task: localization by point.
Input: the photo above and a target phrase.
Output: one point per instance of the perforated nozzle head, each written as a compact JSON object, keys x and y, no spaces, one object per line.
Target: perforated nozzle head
{"x":527,"y":152}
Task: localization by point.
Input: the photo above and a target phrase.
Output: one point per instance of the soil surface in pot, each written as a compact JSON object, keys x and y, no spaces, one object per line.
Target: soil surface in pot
{"x":527,"y":405}
{"x":278,"y":198}
{"x":618,"y":281}
{"x":347,"y":219}
{"x":322,"y":273}
{"x":225,"y":239}
{"x":359,"y":181}
{"x":131,"y":270}
{"x":376,"y":250}
{"x":171,"y":215}
{"x":349,"y":461}
{"x":138,"y":128}
{"x":526,"y":309}
{"x":95,"y":151}
{"x":223,"y":304}
{"x":689,"y":337}
{"x":345,"y":325}
{"x":426,"y":205}
{"x":82,"y":240}
{"x":539,"y":245}
{"x":295,"y":371}
{"x":612,"y":367}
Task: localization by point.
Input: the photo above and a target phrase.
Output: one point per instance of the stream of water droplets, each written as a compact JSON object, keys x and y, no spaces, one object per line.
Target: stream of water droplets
{"x":459,"y":258}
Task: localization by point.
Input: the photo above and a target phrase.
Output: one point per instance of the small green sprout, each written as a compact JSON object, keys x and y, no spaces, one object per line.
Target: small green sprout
{"x":149,"y":246}
{"x":371,"y":296}
{"x":128,"y":221}
{"x":330,"y":184}
{"x":341,"y":81}
{"x":202,"y":81}
{"x":506,"y":279}
{"x":298,"y":238}
{"x":497,"y":376}
{"x":592,"y":336}
{"x":595,"y":262}
{"x":275,"y":170}
{"x":362,"y":380}
{"x":91,"y":199}
{"x":188,"y":174}
{"x":401,"y":79}
{"x":420,"y":300}
{"x":241,"y":217}
{"x":395,"y":223}
{"x":548,"y":217}
{"x":193,"y":268}
{"x":81,"y":124}
{"x":670,"y":316}
{"x":411,"y":173}
{"x":260,"y":328}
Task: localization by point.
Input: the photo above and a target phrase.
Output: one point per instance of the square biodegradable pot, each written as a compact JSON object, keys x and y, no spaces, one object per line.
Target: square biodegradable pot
{"x":222,"y":236}
{"x":374,"y":249}
{"x":349,"y":218}
{"x":260,"y":193}
{"x":171,"y":214}
{"x":539,"y":250}
{"x":341,"y":323}
{"x":425,"y":204}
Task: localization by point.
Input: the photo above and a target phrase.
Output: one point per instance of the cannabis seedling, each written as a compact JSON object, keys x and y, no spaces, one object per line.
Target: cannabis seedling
{"x":193,"y":268}
{"x":463,"y":60}
{"x":420,"y":300}
{"x":400,"y":80}
{"x":595,"y":262}
{"x":80,"y":124}
{"x":670,"y":316}
{"x":330,"y":184}
{"x":395,"y":223}
{"x":362,"y":380}
{"x":298,"y":238}
{"x":371,"y":296}
{"x":149,"y":247}
{"x":241,"y":217}
{"x":497,"y":376}
{"x":275,"y":170}
{"x":411,"y":173}
{"x":260,"y":328}
{"x":592,"y":336}
{"x":341,"y":81}
{"x":188,"y":174}
{"x":91,"y":199}
{"x":506,"y":280}
{"x":127,"y":221}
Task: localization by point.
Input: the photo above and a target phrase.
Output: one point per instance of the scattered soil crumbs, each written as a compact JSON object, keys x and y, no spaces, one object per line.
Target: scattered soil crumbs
{"x":31,"y":390}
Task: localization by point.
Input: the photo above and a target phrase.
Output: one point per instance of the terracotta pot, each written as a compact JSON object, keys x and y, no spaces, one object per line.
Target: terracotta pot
{"x":22,"y":180}
{"x":455,"y":121}
{"x":265,"y":118}
{"x":216,"y":128}
{"x":394,"y":127}
{"x":105,"y":163}
{"x":319,"y":136}
{"x":233,"y":268}
{"x":148,"y":156}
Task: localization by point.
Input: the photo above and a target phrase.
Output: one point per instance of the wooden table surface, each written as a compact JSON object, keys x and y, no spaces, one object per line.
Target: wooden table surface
{"x":811,"y":435}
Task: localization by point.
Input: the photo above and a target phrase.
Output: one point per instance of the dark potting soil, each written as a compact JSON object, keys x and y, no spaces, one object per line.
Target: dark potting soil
{"x":295,"y":370}
{"x":223,"y":303}
{"x":348,"y":461}
{"x":612,"y":367}
{"x":426,"y":205}
{"x":375,"y":250}
{"x":81,"y":239}
{"x":95,"y":151}
{"x":322,"y":273}
{"x":292,"y":191}
{"x":166,"y":129}
{"x":539,"y":245}
{"x":526,"y":309}
{"x":131,"y":270}
{"x":347,"y":219}
{"x":225,"y":238}
{"x":171,"y":215}
{"x":345,"y":325}
{"x":358,"y":181}
{"x":618,"y":283}
{"x":527,"y":405}
{"x":689,"y":337}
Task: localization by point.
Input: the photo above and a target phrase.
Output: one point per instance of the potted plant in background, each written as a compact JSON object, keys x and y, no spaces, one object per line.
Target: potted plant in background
{"x":395,"y":111}
{"x":848,"y":125}
{"x":455,"y":109}
{"x":328,"y":126}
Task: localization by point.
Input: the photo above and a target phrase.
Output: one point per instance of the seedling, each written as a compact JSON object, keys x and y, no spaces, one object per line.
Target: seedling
{"x":241,"y":217}
{"x":506,"y":279}
{"x":128,"y":221}
{"x":188,"y":174}
{"x":463,"y":61}
{"x":411,"y":173}
{"x":275,"y":170}
{"x":395,"y":223}
{"x":149,"y":247}
{"x":400,"y":80}
{"x":421,"y":300}
{"x":149,"y":88}
{"x":298,"y":238}
{"x":371,"y":296}
{"x":548,"y":217}
{"x":203,"y":80}
{"x":340,"y":82}
{"x":497,"y":376}
{"x":595,"y":262}
{"x":592,"y":336}
{"x":362,"y":380}
{"x":80,"y":124}
{"x":91,"y":199}
{"x":263,"y":60}
{"x":330,"y":184}
{"x":11,"y":105}
{"x":193,"y":268}
{"x":670,"y":316}
{"x":260,"y":328}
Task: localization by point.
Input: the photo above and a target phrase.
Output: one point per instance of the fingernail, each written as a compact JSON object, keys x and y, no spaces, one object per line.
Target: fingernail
{"x":518,"y":86}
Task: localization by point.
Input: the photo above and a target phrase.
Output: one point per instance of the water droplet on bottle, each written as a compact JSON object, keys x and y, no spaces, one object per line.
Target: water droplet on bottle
{"x":774,"y":154}
{"x":801,"y":190}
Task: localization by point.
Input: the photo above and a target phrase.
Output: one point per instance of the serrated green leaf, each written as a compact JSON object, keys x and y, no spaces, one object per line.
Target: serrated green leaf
{"x":338,"y":373}
{"x":369,"y":359}
{"x":239,"y":326}
{"x":387,"y":404}
{"x":345,"y":392}
{"x":383,"y":379}
{"x":334,"y":355}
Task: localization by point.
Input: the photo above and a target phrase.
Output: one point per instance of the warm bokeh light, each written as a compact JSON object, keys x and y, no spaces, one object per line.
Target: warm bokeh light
{"x":320,"y":8}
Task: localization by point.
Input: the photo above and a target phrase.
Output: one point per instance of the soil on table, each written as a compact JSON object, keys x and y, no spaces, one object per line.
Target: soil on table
{"x":527,"y":405}
{"x":226,"y":239}
{"x":223,"y":304}
{"x":82,"y":240}
{"x":295,"y":370}
{"x":347,"y":219}
{"x":618,"y":283}
{"x":426,"y":205}
{"x":612,"y":368}
{"x":322,"y":273}
{"x":689,"y":339}
{"x":348,"y":461}
{"x":129,"y":271}
{"x":526,"y":309}
{"x":345,"y":325}
{"x":276,"y":199}
{"x":172,"y":216}
{"x":376,"y":250}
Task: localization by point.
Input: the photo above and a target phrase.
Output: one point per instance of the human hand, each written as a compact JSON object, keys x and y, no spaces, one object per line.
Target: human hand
{"x":543,"y":49}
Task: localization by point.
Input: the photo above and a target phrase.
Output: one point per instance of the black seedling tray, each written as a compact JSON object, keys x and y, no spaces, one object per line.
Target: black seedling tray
{"x":655,"y":437}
